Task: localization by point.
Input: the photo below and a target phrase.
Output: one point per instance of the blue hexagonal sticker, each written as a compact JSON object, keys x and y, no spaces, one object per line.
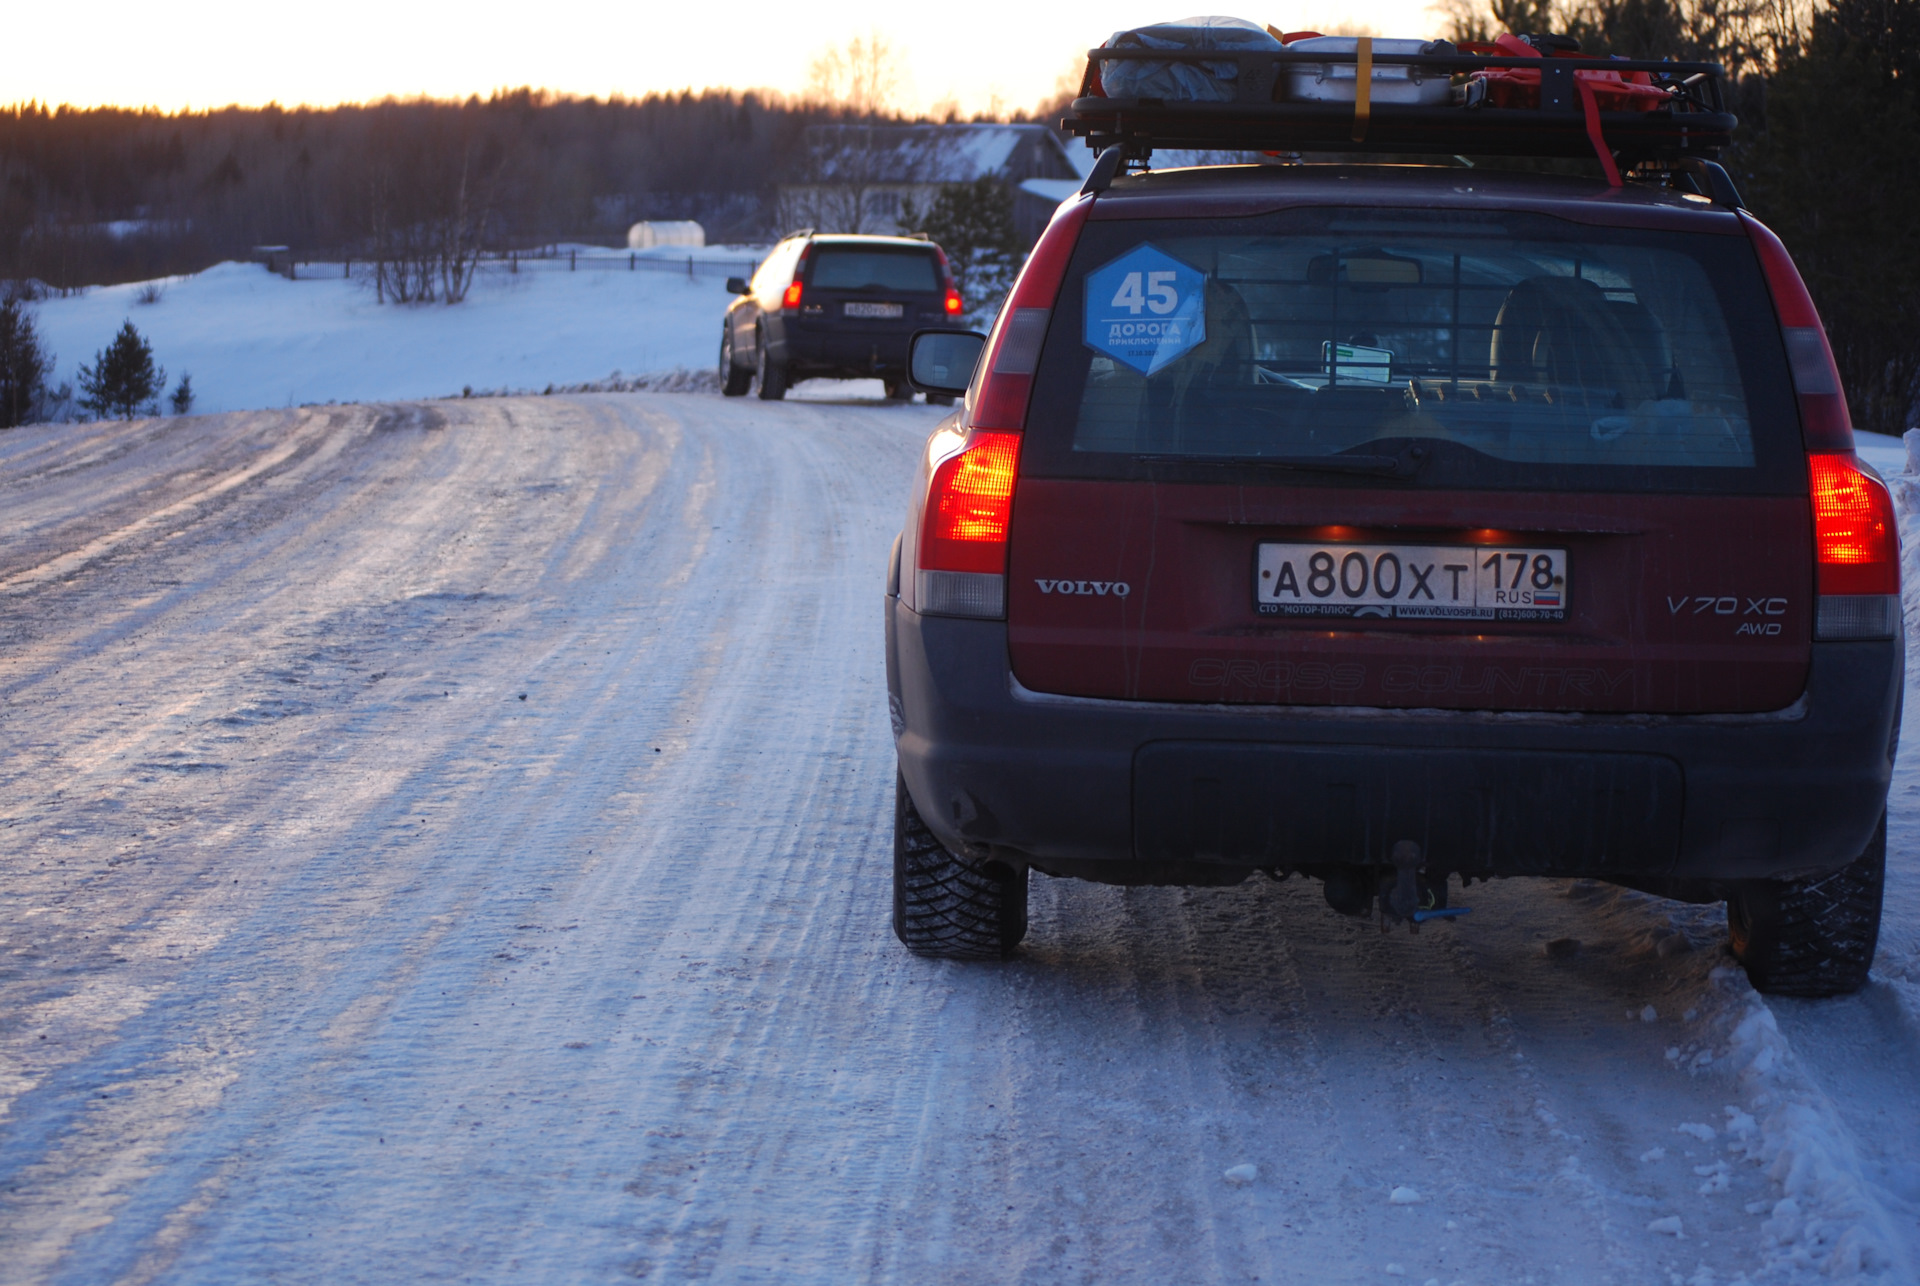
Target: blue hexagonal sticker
{"x":1146,"y":308}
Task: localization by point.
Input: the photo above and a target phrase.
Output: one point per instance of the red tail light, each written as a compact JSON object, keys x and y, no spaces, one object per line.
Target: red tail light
{"x":970,"y":506}
{"x":999,"y":400}
{"x":954,"y":304}
{"x":1854,"y":529}
{"x":961,"y":565}
{"x":790,"y":298}
{"x":1824,"y":422}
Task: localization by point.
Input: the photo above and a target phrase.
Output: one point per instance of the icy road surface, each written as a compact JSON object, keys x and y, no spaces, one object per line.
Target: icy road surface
{"x":451,"y":842}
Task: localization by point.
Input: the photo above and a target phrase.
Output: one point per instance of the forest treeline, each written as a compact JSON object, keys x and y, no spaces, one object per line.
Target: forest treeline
{"x":103,"y":195}
{"x":1828,"y":95}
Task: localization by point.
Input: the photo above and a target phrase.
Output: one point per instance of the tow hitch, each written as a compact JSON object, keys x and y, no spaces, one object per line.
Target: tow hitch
{"x":1405,"y":895}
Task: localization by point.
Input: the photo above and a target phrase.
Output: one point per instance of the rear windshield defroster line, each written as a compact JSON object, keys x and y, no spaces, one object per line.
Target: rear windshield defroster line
{"x":1530,"y":353}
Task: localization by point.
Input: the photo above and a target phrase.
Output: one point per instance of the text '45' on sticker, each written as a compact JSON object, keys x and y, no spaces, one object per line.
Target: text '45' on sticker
{"x":1145,"y":308}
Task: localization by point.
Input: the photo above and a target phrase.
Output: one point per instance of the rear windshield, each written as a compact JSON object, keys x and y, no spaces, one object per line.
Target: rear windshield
{"x":873,"y":268}
{"x":1510,"y":350}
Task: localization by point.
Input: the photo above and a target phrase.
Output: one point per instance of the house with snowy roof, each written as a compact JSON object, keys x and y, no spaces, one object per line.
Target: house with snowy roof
{"x":861,"y":178}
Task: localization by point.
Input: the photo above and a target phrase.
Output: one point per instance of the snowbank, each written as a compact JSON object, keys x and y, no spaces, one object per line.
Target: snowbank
{"x":253,"y":340}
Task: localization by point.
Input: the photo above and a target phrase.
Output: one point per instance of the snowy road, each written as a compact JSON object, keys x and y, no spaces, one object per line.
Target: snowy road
{"x":450,"y":842}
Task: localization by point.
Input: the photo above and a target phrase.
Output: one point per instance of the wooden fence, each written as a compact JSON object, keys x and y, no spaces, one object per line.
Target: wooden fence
{"x":538,"y":259}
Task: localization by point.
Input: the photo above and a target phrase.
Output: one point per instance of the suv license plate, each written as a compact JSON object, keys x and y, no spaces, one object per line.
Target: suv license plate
{"x":858,"y":309}
{"x":1460,"y":582}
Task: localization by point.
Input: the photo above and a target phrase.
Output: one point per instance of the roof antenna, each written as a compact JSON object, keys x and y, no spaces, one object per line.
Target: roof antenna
{"x":1104,"y":168}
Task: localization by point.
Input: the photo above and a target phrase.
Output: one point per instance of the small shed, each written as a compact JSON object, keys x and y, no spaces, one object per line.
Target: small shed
{"x":647,"y":234}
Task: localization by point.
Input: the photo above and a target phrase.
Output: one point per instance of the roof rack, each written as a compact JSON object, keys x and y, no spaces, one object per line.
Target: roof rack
{"x":1692,"y":124}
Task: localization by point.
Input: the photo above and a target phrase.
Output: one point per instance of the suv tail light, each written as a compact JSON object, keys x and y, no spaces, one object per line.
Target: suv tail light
{"x":790,"y":298}
{"x":998,"y":400}
{"x":1857,"y":544}
{"x":1856,"y":536}
{"x":963,"y":536}
{"x":961,"y":561}
{"x":1824,"y":422}
{"x":955,"y":305}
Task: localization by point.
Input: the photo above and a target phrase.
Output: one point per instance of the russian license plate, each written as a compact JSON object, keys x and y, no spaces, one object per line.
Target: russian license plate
{"x":858,"y":308}
{"x":1463,"y":582}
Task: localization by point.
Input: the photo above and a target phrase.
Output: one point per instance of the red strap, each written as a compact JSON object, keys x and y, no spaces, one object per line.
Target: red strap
{"x":1593,"y":129}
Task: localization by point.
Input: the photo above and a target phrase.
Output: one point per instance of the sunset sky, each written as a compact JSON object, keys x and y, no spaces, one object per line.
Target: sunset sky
{"x":208,"y":53}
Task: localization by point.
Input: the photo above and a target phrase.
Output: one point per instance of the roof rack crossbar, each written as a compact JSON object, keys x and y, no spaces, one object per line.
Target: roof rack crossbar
{"x":1453,"y":62}
{"x":1258,"y":70}
{"x":1686,"y":119}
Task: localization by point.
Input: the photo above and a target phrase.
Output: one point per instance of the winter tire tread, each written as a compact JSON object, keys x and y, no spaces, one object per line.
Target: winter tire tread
{"x":946,"y":905}
{"x":1812,"y":938}
{"x":771,"y":376}
{"x":735,"y":380}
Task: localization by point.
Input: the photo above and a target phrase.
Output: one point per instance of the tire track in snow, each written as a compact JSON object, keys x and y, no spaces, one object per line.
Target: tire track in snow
{"x":504,"y":992}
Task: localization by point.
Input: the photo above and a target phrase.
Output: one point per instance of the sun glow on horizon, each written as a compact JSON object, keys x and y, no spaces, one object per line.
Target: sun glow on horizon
{"x":208,"y":54}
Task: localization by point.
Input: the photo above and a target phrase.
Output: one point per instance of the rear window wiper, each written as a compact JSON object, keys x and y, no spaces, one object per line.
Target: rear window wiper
{"x":1404,"y":463}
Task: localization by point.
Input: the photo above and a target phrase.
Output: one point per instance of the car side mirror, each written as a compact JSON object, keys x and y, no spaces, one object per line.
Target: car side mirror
{"x":736,"y":285}
{"x":942,"y":361}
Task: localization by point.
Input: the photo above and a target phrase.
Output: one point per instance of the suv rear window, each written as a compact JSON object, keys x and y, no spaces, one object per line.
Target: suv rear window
{"x":873,"y":268}
{"x":1512,"y":349}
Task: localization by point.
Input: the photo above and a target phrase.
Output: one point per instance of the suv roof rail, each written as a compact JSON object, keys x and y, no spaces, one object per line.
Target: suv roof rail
{"x":798,"y":232}
{"x":1691,"y":122}
{"x":1108,"y":164}
{"x":1719,"y":184}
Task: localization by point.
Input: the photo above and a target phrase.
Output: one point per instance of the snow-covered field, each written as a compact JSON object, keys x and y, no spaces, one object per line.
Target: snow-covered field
{"x":451,"y":842}
{"x":253,"y":340}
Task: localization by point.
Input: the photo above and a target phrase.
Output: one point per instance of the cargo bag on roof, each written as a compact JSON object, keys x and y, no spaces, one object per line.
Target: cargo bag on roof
{"x":1180,"y":82}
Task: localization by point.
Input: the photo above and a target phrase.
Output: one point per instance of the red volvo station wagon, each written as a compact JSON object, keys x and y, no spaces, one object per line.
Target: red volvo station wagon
{"x":1391,"y":526}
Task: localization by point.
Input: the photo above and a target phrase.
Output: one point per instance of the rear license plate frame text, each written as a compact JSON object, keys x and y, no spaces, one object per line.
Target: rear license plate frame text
{"x":1411,"y":582}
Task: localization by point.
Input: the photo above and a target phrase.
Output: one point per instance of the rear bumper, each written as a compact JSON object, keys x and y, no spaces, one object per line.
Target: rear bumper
{"x":820,"y":350}
{"x":1141,"y":790}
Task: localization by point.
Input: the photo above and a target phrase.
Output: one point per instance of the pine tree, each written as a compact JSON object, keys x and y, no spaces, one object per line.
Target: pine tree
{"x":182,"y":399}
{"x":24,"y":363}
{"x":123,"y":380}
{"x":1832,"y":172}
{"x":973,"y":223}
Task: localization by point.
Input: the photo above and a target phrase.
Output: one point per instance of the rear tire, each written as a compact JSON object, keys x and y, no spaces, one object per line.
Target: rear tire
{"x":734,"y":380}
{"x":1811,"y":938}
{"x":947,"y":906}
{"x":899,"y":391}
{"x":771,"y":376}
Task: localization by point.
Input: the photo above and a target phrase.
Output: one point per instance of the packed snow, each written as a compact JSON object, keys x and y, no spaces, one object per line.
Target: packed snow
{"x":453,"y":839}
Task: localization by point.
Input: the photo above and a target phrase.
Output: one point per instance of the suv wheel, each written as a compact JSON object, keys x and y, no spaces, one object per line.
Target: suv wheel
{"x":899,"y":391}
{"x":946,"y":905}
{"x":1811,"y":937}
{"x":734,"y":381}
{"x":771,"y":377}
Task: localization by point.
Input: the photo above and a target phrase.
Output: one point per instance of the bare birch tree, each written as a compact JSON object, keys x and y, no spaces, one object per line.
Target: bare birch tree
{"x":860,"y":79}
{"x":432,"y":192}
